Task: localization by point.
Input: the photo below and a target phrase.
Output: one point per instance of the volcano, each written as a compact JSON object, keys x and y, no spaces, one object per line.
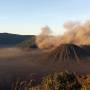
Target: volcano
{"x":66,"y":52}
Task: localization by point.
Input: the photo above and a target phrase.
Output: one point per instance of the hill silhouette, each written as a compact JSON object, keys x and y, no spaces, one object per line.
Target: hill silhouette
{"x":31,"y":43}
{"x":68,"y":52}
{"x":8,"y":39}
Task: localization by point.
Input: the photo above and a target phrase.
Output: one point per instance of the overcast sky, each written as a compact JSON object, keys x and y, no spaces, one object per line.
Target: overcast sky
{"x":28,"y":16}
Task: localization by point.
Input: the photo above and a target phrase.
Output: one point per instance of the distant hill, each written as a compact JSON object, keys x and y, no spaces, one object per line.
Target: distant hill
{"x":30,"y":43}
{"x":8,"y":39}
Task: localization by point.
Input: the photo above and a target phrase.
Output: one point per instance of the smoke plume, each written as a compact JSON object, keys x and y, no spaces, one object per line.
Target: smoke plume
{"x":76,"y":33}
{"x":45,"y":39}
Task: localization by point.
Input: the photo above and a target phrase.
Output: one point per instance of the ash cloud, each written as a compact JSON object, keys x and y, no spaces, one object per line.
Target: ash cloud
{"x":45,"y":38}
{"x":69,"y":25}
{"x":79,"y":33}
{"x":76,"y":33}
{"x":45,"y":31}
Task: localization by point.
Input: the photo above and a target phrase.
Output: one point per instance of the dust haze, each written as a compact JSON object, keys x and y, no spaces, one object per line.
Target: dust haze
{"x":17,"y":59}
{"x":54,"y":53}
{"x":76,"y":33}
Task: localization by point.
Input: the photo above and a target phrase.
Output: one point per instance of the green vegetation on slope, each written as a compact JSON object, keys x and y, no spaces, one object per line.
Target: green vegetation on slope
{"x":56,"y":81}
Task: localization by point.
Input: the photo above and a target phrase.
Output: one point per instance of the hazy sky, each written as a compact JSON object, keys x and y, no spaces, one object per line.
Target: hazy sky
{"x":28,"y":16}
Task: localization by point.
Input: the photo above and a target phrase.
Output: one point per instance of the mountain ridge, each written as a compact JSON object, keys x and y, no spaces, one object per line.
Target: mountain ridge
{"x":9,"y":39}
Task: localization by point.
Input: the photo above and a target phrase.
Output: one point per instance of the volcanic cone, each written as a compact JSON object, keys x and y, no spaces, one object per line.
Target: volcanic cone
{"x":66,"y":52}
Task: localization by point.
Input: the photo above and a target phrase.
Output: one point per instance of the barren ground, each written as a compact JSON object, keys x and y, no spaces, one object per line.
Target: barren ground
{"x":16,"y":61}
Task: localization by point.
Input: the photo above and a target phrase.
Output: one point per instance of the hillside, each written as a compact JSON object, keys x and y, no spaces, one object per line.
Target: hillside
{"x":55,"y":81}
{"x":7,"y":39}
{"x":30,"y":43}
{"x":65,"y":52}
